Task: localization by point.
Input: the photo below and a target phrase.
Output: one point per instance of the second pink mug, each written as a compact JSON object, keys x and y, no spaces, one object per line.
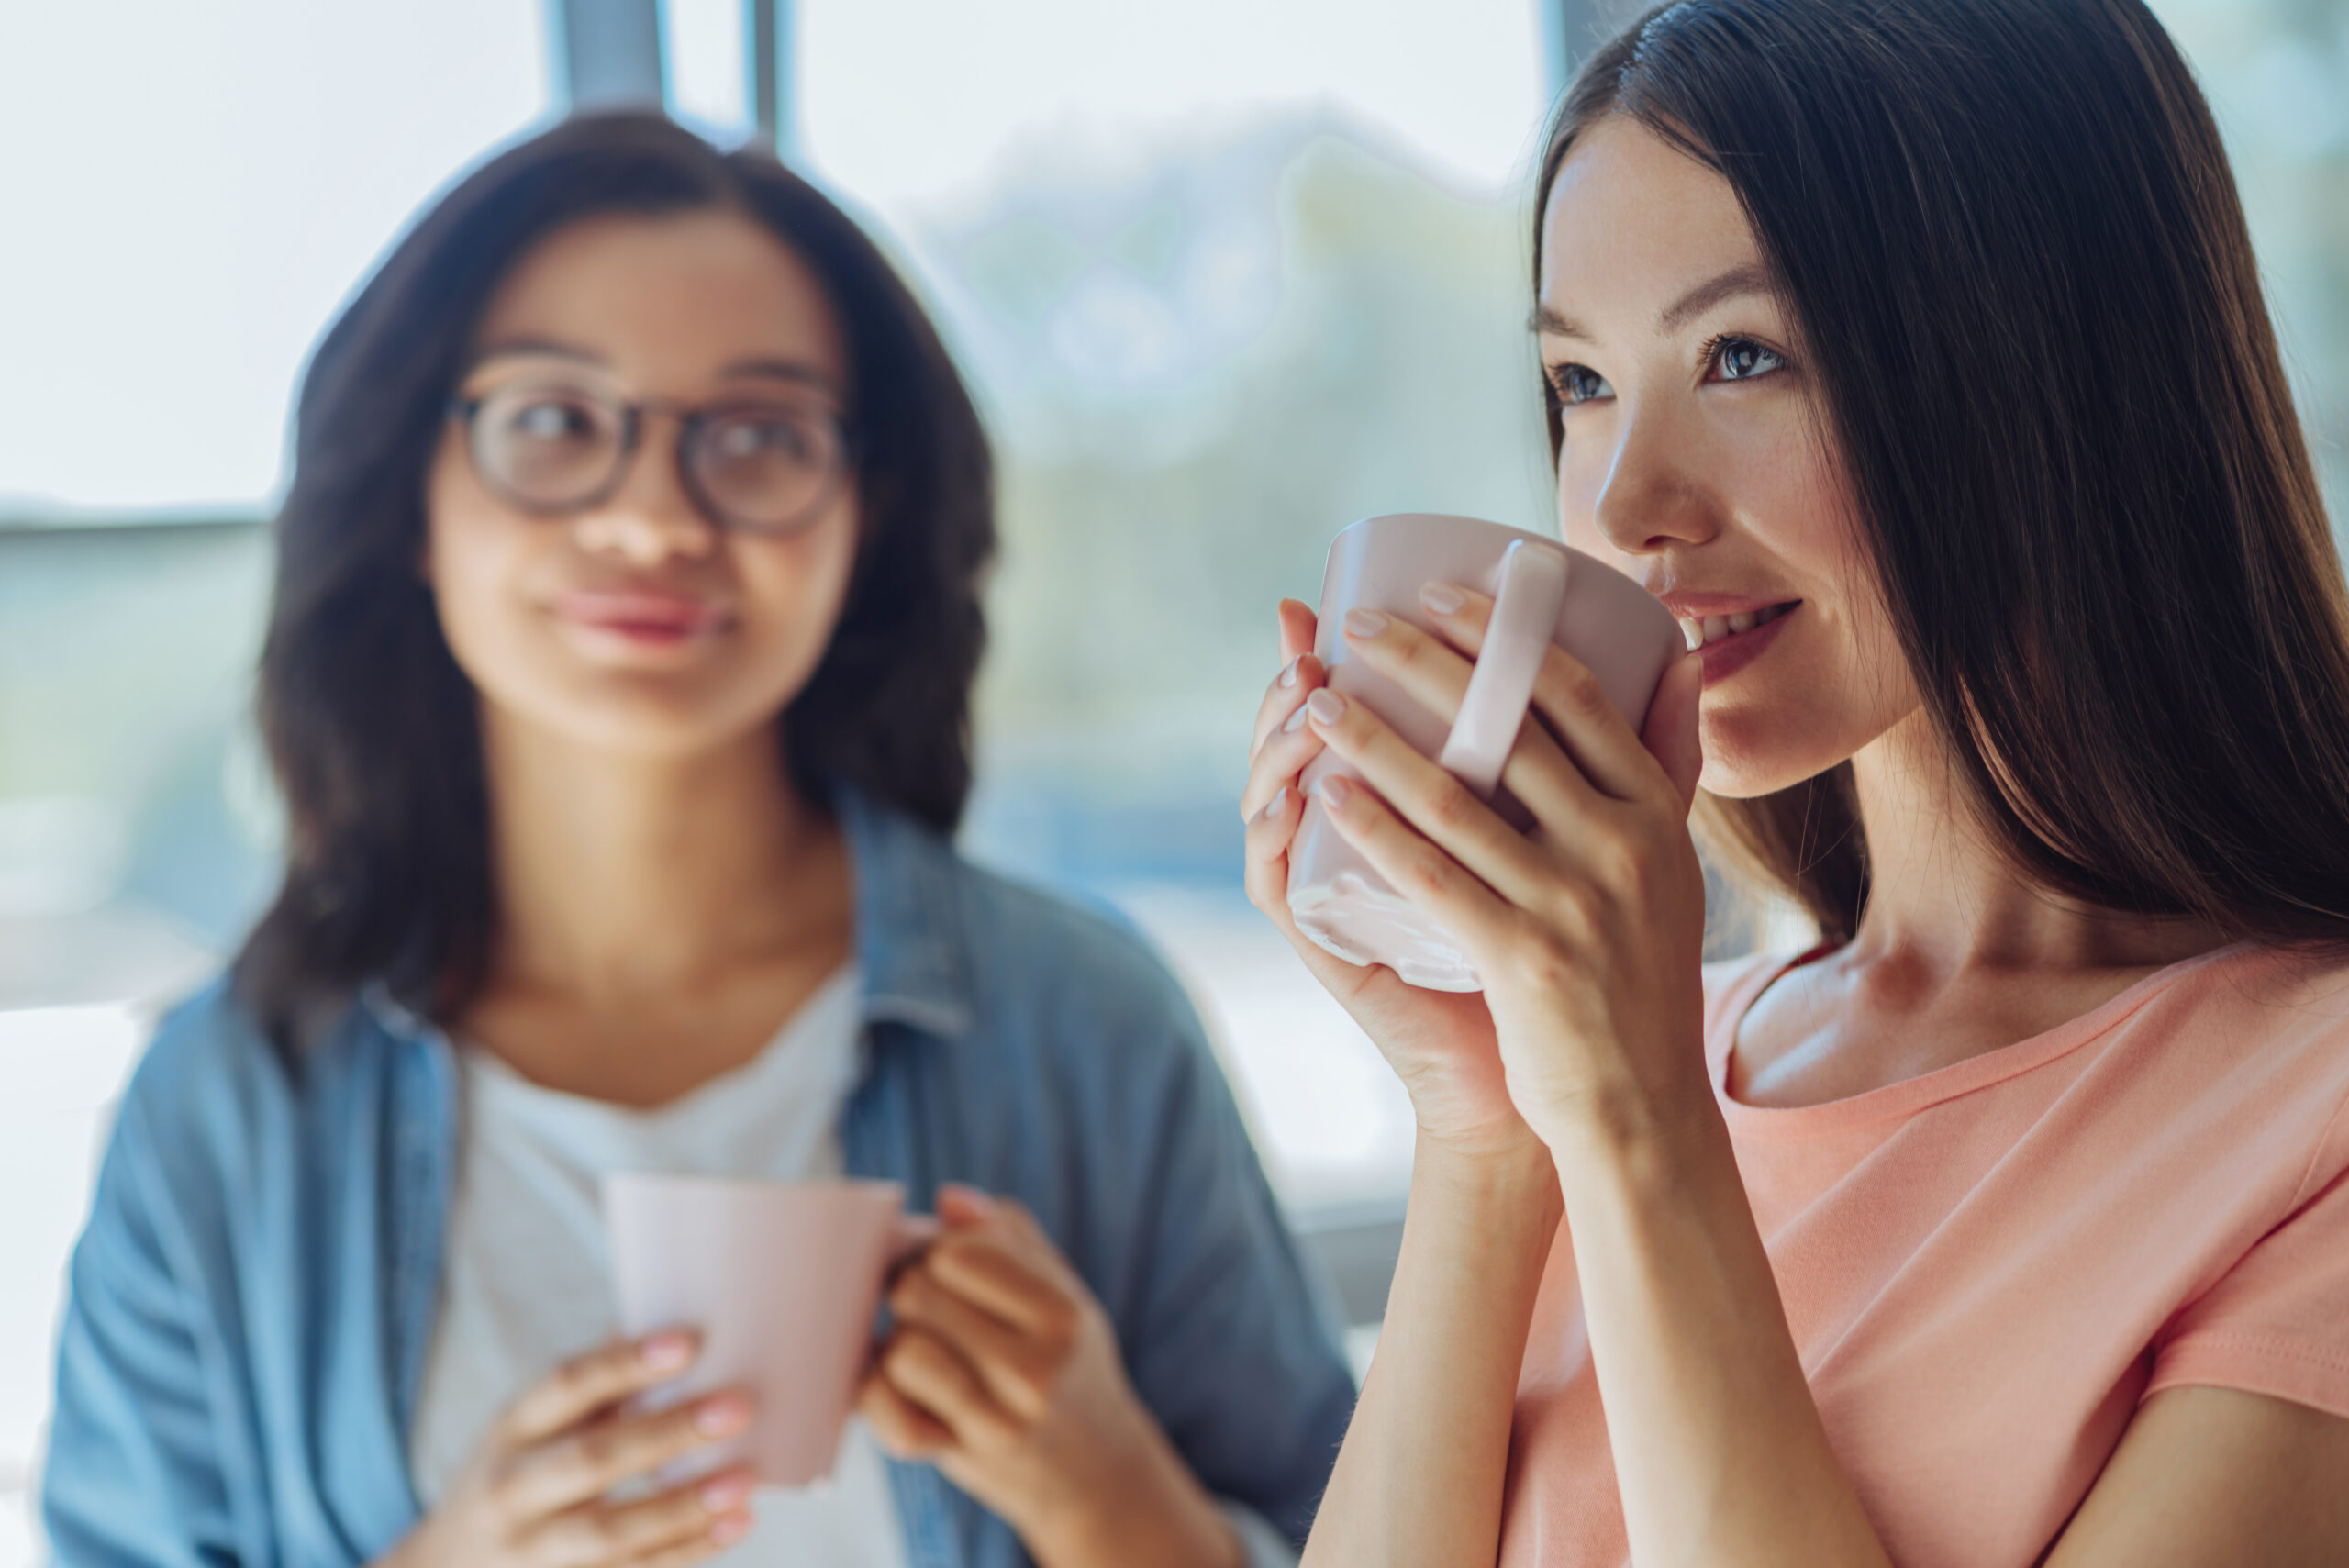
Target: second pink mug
{"x":1542,"y":593}
{"x":782,"y":1279}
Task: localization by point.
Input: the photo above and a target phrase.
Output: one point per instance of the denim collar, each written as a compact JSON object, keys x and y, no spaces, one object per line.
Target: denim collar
{"x":911,"y":942}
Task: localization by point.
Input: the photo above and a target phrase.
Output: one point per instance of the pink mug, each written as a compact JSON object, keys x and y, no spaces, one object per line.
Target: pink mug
{"x":783,"y":1280}
{"x":1542,"y":593}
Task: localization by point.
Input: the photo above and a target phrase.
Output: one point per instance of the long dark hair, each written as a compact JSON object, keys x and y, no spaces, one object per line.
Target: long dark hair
{"x":2012,"y":239}
{"x":373,"y":729}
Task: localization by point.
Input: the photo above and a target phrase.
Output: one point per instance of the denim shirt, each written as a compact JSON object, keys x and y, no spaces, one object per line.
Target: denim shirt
{"x":254,"y":1293}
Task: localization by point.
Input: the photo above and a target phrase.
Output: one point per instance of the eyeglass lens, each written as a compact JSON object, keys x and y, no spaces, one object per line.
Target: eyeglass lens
{"x":756,"y":463}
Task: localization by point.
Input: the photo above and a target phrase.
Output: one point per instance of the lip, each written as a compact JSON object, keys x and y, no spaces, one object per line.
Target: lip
{"x":640,"y":615}
{"x":1690,"y":604}
{"x":1731,"y":654}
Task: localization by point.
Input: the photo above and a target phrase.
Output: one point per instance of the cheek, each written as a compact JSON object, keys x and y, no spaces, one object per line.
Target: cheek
{"x":474,"y":555}
{"x":793,"y":593}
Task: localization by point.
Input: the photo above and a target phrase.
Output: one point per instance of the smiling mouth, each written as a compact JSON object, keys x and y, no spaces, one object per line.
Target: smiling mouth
{"x":1705,"y":632}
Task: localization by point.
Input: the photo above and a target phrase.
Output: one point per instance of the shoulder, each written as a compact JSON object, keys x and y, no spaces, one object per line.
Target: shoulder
{"x":2254,"y":1021}
{"x":213,"y":1096}
{"x":207,"y":1053}
{"x":937,"y":926}
{"x":1058,"y":940}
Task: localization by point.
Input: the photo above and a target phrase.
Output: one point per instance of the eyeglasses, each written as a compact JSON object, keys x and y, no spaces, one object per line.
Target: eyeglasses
{"x":762,"y":465}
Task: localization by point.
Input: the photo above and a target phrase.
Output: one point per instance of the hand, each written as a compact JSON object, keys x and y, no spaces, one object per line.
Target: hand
{"x":1440,"y":1044}
{"x":1588,"y":931}
{"x":1004,"y":1372}
{"x":534,"y":1493}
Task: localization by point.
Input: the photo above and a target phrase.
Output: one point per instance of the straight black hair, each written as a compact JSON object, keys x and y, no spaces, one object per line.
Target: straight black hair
{"x":2012,"y":242}
{"x":372,"y":728}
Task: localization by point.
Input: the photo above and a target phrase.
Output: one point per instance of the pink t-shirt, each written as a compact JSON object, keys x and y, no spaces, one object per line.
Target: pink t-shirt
{"x":1989,"y":1268}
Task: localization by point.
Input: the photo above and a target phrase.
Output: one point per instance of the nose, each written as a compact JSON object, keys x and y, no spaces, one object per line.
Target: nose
{"x":1650,"y":495}
{"x":651,"y":517}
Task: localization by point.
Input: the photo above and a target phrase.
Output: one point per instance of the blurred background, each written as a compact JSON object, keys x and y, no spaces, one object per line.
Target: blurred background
{"x":1225,"y":276}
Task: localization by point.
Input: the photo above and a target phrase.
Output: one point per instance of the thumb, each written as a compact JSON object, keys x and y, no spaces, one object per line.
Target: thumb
{"x":1671,"y":731}
{"x":962,"y":1207}
{"x":1297,"y":629}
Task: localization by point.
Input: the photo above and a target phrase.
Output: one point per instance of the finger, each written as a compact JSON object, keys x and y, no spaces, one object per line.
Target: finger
{"x":1282,"y":758}
{"x":1568,"y":697}
{"x":928,"y":1372}
{"x":1418,"y":869}
{"x":1019,"y":1370}
{"x":1295,"y":683}
{"x":1538,"y":770}
{"x":588,"y":1385}
{"x":1022,"y":1292}
{"x":901,"y":1427}
{"x":1298,"y":627}
{"x":1438,"y":807}
{"x":701,"y":1511}
{"x":1671,"y":732}
{"x":589,"y":1462}
{"x":1264,"y":850}
{"x":723,"y":1535}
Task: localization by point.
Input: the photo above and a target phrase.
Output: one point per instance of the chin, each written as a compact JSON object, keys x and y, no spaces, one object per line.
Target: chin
{"x":1747,"y":757}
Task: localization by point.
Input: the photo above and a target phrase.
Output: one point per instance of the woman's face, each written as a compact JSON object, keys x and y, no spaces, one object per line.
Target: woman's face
{"x":637,"y":623}
{"x":1696,"y":460}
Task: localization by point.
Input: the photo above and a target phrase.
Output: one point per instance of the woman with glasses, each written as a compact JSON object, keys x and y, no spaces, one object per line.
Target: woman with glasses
{"x":1913,"y":353}
{"x":617,"y":682}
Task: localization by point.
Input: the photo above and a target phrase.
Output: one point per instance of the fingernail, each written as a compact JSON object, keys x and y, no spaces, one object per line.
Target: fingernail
{"x":1278,"y":803}
{"x":1335,"y":790}
{"x":1366,"y":622}
{"x":669,"y":1351}
{"x":1297,"y":720}
{"x":977,"y":1201}
{"x":1326,"y":706}
{"x":726,"y":1493}
{"x":1289,"y":671}
{"x":726,"y":1413}
{"x":730,"y":1528}
{"x":1442,"y":598}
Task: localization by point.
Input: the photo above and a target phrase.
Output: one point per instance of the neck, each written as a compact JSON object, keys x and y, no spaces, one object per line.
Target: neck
{"x":621,"y":874}
{"x":1944,"y":900}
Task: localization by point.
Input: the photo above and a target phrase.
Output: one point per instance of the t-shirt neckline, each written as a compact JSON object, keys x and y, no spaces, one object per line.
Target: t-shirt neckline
{"x":1909,"y":1095}
{"x":490,"y":1074}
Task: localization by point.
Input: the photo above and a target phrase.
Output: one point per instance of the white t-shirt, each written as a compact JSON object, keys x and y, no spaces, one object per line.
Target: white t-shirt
{"x":526,"y":1283}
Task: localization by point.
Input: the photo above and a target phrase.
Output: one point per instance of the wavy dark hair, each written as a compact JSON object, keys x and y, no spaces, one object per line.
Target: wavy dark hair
{"x":370,"y":726}
{"x":2025,"y":288}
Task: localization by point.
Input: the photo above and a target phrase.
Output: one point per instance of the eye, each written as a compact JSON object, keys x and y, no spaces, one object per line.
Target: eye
{"x":1742,"y":358}
{"x":1579,"y":384}
{"x":549,"y":417}
{"x":751,"y":435}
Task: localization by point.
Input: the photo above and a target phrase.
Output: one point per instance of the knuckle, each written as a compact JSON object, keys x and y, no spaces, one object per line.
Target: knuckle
{"x":1450,"y":804}
{"x":1426,"y":868}
{"x":595,"y":1452}
{"x":1577,"y":689}
{"x":1618,"y":862}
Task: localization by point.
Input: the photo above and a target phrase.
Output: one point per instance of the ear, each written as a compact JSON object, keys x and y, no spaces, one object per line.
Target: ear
{"x":1671,"y":733}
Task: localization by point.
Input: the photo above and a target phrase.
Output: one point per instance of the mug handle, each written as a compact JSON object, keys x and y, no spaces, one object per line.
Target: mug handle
{"x":1525,"y":616}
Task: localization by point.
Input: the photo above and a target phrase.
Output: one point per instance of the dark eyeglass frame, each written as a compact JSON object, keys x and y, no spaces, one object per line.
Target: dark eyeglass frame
{"x":693,"y":420}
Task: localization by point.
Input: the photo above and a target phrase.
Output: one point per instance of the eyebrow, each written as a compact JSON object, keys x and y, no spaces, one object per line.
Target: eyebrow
{"x":1736,"y":284}
{"x":554,"y":348}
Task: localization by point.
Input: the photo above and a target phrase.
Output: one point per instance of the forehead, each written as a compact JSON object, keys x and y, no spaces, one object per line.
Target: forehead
{"x":669,"y":301}
{"x":1632,"y":221}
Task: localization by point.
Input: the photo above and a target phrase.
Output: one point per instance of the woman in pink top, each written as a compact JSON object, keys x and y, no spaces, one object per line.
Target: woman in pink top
{"x":1913,"y":352}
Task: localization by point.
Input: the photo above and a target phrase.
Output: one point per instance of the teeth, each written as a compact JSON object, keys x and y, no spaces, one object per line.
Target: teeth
{"x":1713,"y":628}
